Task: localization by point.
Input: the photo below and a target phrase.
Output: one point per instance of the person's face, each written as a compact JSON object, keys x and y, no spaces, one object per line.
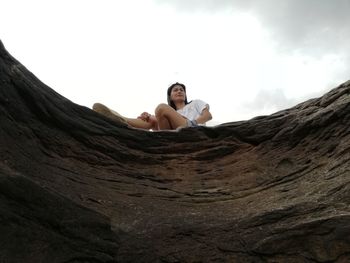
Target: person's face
{"x":178,"y":93}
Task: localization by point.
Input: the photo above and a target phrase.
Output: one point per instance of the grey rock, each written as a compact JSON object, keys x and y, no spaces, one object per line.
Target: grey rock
{"x":76,"y":186}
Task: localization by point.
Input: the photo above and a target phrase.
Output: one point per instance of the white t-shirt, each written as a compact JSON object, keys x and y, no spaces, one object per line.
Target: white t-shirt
{"x":193,"y":109}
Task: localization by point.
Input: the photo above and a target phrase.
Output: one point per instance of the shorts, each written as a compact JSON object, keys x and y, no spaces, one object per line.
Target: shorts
{"x":192,"y":123}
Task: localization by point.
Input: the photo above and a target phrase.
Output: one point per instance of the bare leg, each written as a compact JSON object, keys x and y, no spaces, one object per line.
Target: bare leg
{"x":136,"y":123}
{"x":104,"y":110}
{"x":168,"y":118}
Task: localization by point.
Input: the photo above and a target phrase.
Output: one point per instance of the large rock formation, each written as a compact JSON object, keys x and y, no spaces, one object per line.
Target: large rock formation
{"x":78,"y":187}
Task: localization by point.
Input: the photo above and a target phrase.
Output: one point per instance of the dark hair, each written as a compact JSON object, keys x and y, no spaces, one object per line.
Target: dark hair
{"x":170,"y":102}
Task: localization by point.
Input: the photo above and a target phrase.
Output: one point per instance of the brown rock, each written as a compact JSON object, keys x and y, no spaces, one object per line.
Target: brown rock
{"x":78,"y":187}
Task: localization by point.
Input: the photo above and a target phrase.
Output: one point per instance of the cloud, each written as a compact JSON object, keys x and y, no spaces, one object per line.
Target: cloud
{"x":315,"y":26}
{"x":270,"y":101}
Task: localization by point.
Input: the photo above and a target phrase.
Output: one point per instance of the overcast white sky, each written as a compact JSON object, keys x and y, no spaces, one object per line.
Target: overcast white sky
{"x":244,"y":57}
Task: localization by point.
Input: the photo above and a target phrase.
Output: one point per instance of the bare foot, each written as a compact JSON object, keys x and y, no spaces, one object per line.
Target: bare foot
{"x":104,"y":110}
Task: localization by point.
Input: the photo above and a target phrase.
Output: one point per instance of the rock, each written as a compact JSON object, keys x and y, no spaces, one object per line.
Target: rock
{"x":76,"y":186}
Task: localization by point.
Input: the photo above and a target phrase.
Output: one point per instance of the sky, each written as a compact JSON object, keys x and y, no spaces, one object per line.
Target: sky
{"x":245,"y":58}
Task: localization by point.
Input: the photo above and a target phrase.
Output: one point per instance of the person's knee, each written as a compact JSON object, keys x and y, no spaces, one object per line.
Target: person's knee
{"x":161,"y":109}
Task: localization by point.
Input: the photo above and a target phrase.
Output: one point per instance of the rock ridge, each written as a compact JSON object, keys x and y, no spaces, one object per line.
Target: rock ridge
{"x":78,"y":187}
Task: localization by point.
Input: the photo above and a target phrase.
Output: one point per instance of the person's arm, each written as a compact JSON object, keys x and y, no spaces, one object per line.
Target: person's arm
{"x":204,"y":117}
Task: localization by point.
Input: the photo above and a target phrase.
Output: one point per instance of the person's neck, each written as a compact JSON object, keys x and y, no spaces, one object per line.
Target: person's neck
{"x":179,"y":104}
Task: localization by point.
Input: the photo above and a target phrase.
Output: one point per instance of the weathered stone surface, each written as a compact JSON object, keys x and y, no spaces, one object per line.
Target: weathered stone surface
{"x":78,"y":187}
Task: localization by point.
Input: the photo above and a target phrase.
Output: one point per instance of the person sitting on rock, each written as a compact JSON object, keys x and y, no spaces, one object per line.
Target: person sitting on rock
{"x":178,"y":113}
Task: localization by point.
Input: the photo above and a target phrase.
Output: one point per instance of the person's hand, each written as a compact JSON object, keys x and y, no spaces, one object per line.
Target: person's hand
{"x":145,"y":116}
{"x":152,"y":119}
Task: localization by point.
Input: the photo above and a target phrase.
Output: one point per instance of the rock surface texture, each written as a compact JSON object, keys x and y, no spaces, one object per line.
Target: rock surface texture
{"x":78,"y":187}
